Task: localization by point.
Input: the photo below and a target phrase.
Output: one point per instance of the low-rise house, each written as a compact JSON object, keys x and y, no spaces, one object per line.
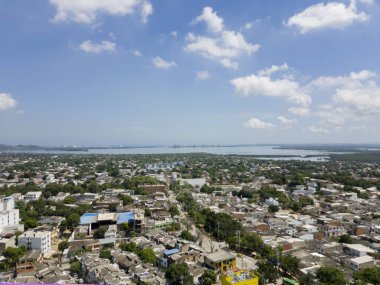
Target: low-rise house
{"x":32,"y":196}
{"x":221,"y":260}
{"x":361,"y":262}
{"x":357,"y":249}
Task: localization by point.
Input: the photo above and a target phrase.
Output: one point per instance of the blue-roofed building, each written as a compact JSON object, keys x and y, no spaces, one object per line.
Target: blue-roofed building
{"x":127,"y":217}
{"x":167,"y":253}
{"x":171,"y":251}
{"x":88,"y":218}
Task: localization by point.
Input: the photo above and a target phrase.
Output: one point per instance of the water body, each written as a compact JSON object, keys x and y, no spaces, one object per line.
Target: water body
{"x":270,"y":152}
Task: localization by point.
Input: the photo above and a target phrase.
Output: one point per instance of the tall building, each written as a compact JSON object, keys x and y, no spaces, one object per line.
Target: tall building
{"x":9,"y":216}
{"x":35,"y":240}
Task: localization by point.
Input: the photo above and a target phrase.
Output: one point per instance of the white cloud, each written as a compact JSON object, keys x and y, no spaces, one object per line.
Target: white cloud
{"x":158,"y":62}
{"x":136,"y":52}
{"x":353,"y":129}
{"x":174,"y":34}
{"x":332,"y":15}
{"x":213,"y":21}
{"x":254,"y":85}
{"x":255,"y":123}
{"x":146,"y":11}
{"x":319,"y":130}
{"x":285,"y":120}
{"x":334,"y":117}
{"x":299,"y":111}
{"x":248,"y":25}
{"x":225,"y":47}
{"x":103,"y":46}
{"x":202,"y":75}
{"x":86,"y":11}
{"x":353,"y":78}
{"x":6,"y":102}
{"x":273,"y":69}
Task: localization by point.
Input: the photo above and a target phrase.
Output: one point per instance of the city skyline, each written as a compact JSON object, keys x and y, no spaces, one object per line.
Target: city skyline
{"x":144,"y":72}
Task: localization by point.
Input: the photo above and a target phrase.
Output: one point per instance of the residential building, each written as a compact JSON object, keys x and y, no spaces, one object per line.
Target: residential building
{"x":221,"y":261}
{"x":36,"y":240}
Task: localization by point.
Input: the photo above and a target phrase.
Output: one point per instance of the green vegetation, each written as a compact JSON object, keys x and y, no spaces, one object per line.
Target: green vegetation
{"x":178,"y":274}
{"x":328,"y":275}
{"x":147,"y":255}
{"x":346,"y":238}
{"x":186,"y":235}
{"x":12,"y":254}
{"x":368,"y":275}
{"x":105,"y":253}
{"x":208,"y":277}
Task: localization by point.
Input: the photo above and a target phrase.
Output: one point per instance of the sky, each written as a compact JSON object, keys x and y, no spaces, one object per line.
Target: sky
{"x":149,"y":72}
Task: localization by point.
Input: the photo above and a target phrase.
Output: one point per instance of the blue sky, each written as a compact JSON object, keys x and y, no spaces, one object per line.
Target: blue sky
{"x":149,"y":72}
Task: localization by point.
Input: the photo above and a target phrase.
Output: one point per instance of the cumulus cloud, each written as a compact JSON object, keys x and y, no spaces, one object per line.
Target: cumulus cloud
{"x":146,"y":11}
{"x":202,"y":75}
{"x":225,"y":47}
{"x":87,"y":11}
{"x":255,"y":85}
{"x":332,"y":15}
{"x":299,"y":111}
{"x":353,"y":97}
{"x":103,"y":46}
{"x":248,"y":25}
{"x":285,"y":121}
{"x":255,"y":123}
{"x":136,"y":52}
{"x":160,"y":63}
{"x":273,"y":69}
{"x":319,"y":130}
{"x":6,"y":102}
{"x":213,"y":21}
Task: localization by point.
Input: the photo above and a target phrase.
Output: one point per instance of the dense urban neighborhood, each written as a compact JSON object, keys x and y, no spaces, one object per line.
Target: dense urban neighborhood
{"x":188,"y":219}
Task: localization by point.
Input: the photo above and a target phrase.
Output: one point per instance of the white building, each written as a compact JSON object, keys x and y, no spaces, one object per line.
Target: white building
{"x":361,"y":262}
{"x":194,"y":182}
{"x":35,"y":240}
{"x":32,"y":196}
{"x":357,"y":249}
{"x":9,"y":216}
{"x":61,"y":196}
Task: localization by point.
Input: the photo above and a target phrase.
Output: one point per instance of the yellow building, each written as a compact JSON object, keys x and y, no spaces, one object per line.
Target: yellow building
{"x":240,"y":278}
{"x":221,"y":261}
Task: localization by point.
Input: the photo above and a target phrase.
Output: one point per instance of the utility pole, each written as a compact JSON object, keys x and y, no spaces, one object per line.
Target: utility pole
{"x":218,"y":229}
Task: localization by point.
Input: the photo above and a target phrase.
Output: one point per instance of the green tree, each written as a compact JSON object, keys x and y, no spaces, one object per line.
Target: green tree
{"x":273,"y":208}
{"x":186,"y":235}
{"x":30,"y":223}
{"x":368,"y":275}
{"x":75,"y":268}
{"x":130,"y":246}
{"x":178,"y":274}
{"x":346,"y":238}
{"x":147,"y":255}
{"x":63,"y":245}
{"x":267,"y":271}
{"x":208,"y":277}
{"x":328,"y":275}
{"x":99,"y":233}
{"x":73,"y":220}
{"x":105,"y":253}
{"x":125,"y":226}
{"x":174,"y":211}
{"x":290,"y":264}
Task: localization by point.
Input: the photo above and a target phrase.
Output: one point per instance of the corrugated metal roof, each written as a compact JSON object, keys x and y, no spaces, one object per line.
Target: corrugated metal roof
{"x":171,"y":251}
{"x":125,"y":217}
{"x":88,"y":218}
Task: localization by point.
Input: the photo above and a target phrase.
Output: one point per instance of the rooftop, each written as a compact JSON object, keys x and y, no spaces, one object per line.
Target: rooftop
{"x":219,"y":256}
